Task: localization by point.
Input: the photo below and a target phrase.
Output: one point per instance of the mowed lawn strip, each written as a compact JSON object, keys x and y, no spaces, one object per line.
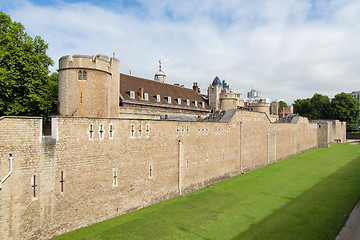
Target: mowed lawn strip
{"x":307,"y":196}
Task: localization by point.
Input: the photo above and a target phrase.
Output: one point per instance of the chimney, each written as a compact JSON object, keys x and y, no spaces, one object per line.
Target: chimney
{"x":141,"y":91}
{"x":196,"y":87}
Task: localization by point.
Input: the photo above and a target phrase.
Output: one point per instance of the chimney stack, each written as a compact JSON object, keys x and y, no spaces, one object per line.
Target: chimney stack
{"x":196,"y":87}
{"x":141,"y":91}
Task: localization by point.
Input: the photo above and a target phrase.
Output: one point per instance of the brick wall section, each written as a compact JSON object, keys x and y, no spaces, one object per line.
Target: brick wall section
{"x":147,"y":167}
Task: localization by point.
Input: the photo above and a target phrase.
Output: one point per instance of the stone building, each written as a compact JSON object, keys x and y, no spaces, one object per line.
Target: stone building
{"x":98,"y":163}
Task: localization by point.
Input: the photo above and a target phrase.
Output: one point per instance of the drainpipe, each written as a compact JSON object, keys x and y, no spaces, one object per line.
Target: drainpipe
{"x":274,"y":147}
{"x":180,"y":168}
{"x":268,"y":149}
{"x":241,"y":147}
{"x":10,"y":170}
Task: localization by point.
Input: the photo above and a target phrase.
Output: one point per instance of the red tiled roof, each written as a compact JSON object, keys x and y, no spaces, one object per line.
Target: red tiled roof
{"x":152,"y":88}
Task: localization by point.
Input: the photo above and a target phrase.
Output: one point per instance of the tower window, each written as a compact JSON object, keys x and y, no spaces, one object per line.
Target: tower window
{"x":80,"y":75}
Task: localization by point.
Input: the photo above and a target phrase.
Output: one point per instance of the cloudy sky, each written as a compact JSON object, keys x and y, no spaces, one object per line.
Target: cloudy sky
{"x":287,"y":49}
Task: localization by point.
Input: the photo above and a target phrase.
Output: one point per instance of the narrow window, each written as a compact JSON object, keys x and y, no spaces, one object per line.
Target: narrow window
{"x":177,"y":130}
{"x":179,"y":100}
{"x":203,"y":131}
{"x":187,"y":130}
{"x":62,"y":181}
{"x":188,"y":102}
{"x":168,"y":99}
{"x":150,"y":171}
{"x":202,"y":104}
{"x":157,"y":98}
{"x":91,"y":131}
{"x":132,"y":131}
{"x":81,"y":97}
{"x":187,"y":162}
{"x":140,"y":130}
{"x":207,"y":157}
{"x":111,"y":131}
{"x":207,"y":131}
{"x":33,"y":186}
{"x":101,"y":131}
{"x":84,"y":75}
{"x":80,"y":75}
{"x":147,"y":130}
{"x":146,"y":97}
{"x":115,"y":175}
{"x":195,"y":103}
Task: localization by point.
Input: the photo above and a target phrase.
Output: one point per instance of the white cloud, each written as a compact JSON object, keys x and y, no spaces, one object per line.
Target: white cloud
{"x":286,"y":49}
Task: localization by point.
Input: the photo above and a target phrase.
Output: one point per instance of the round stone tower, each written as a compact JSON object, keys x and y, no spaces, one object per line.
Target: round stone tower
{"x":89,"y":86}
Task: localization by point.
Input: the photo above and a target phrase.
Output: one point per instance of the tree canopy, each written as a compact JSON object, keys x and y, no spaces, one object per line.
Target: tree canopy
{"x":342,"y":107}
{"x":282,"y":104}
{"x":25,"y":84}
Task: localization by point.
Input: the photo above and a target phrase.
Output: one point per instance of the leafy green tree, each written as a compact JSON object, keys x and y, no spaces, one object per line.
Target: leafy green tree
{"x":282,"y":104}
{"x":320,"y":105}
{"x":303,"y":107}
{"x":25,"y":85}
{"x":342,"y":107}
{"x":345,"y":108}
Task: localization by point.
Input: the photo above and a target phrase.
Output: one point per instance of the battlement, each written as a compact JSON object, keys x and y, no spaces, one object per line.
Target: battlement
{"x":98,"y":62}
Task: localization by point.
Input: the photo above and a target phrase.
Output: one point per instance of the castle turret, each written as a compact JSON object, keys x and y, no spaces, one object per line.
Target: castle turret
{"x":89,"y":86}
{"x":160,"y":75}
{"x":214,"y":91}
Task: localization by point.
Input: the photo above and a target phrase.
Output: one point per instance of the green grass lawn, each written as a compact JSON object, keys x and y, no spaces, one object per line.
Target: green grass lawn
{"x":307,"y":196}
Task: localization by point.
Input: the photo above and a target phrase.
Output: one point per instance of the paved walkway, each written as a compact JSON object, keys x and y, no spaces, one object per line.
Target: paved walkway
{"x":351,"y":229}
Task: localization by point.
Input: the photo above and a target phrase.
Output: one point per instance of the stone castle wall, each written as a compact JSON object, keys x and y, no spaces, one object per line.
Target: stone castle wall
{"x":92,"y":169}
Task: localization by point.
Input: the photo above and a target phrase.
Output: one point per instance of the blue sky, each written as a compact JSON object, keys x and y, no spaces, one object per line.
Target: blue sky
{"x":285,"y":49}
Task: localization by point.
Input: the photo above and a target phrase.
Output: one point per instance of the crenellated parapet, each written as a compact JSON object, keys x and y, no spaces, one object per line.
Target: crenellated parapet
{"x":98,"y":62}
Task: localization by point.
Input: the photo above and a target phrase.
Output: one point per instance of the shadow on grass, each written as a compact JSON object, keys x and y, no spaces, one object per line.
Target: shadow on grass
{"x":312,"y":215}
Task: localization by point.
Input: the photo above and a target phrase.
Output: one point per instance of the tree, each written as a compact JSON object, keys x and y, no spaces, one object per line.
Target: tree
{"x":320,"y":105}
{"x":303,"y":107}
{"x":25,"y":86}
{"x":345,"y":108}
{"x":282,"y":104}
{"x":342,"y":107}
